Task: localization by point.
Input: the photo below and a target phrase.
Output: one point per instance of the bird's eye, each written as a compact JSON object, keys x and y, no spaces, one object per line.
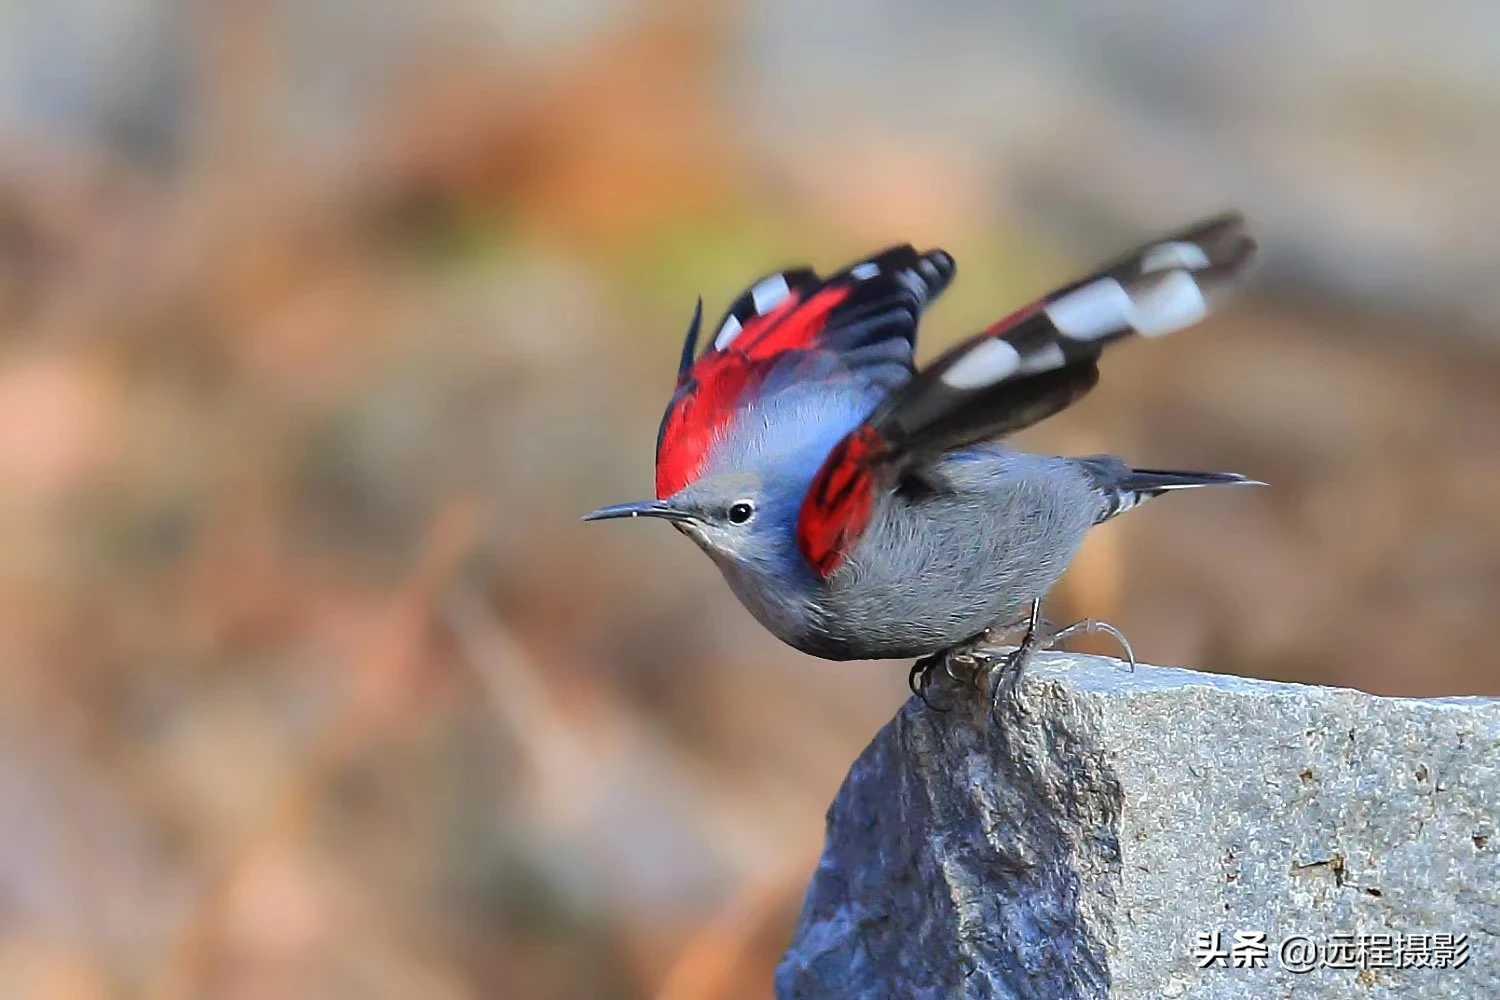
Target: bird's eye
{"x":741,"y":512}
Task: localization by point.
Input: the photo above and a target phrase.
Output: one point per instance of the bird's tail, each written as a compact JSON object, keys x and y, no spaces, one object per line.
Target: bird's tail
{"x":1129,"y":488}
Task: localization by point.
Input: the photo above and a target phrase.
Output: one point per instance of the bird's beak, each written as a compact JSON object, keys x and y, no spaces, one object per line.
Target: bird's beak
{"x":641,"y":508}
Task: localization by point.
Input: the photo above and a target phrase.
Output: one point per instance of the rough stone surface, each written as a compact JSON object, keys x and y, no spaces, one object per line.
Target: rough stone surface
{"x":1077,"y":845}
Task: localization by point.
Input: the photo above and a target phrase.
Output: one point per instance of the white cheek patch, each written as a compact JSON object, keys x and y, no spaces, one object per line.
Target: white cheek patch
{"x":727,"y":333}
{"x":1100,"y":308}
{"x":865,"y":271}
{"x":768,"y":293}
{"x":1165,"y":256}
{"x":985,"y":364}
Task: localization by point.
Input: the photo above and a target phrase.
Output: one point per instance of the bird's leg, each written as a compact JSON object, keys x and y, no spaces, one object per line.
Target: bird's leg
{"x":1007,"y":672}
{"x":1091,"y":626}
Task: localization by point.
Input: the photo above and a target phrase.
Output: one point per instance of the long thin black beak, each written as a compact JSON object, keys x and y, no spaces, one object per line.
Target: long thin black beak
{"x":641,"y":508}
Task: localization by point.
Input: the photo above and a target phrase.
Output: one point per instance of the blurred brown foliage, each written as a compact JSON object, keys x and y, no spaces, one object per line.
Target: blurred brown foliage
{"x":313,"y":684}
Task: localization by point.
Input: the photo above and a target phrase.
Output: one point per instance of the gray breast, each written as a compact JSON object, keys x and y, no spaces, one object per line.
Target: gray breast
{"x":936,"y":568}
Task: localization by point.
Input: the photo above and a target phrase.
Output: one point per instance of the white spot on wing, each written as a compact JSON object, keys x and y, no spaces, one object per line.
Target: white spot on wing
{"x":727,"y":333}
{"x":985,"y":364}
{"x":1093,"y":311}
{"x":1168,"y":303}
{"x":864,"y":271}
{"x":769,"y":292}
{"x":1175,"y":254}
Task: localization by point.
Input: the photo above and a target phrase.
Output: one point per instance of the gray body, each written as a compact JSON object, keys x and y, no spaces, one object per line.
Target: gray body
{"x":935,"y":568}
{"x":991,"y":530}
{"x":999,"y":536}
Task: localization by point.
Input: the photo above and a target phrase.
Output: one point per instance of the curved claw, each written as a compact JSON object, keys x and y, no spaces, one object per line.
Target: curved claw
{"x":1089,"y":626}
{"x":917,"y":681}
{"x":919,"y":677}
{"x":1119,"y":637}
{"x":968,"y":658}
{"x":948,"y":669}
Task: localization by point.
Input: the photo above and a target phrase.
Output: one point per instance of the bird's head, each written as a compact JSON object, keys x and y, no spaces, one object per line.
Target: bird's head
{"x":739,"y":518}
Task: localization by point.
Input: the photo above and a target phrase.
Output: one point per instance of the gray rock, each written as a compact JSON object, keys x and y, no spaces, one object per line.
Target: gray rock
{"x":1079,"y":844}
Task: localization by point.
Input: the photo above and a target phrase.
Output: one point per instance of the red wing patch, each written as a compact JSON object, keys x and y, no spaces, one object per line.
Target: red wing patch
{"x":838,"y":505}
{"x":723,"y":378}
{"x":702,"y":411}
{"x":789,"y":327}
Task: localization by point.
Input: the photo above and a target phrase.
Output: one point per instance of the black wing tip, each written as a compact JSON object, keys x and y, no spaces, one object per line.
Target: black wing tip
{"x":690,"y":342}
{"x":937,"y":267}
{"x":1224,"y":241}
{"x":1216,"y":252}
{"x":942,"y":260}
{"x":1230,"y":222}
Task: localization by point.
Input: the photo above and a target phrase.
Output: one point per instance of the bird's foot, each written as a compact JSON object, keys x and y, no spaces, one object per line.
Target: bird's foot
{"x":960,"y":663}
{"x":1092,"y":626}
{"x":1004,"y":676}
{"x":921,"y":676}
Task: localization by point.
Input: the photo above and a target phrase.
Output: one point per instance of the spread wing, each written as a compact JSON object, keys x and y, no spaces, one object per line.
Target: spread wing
{"x":1020,"y":370}
{"x":794,"y":326}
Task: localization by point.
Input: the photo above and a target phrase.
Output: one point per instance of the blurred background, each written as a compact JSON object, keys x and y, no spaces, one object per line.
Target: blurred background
{"x":322,"y":321}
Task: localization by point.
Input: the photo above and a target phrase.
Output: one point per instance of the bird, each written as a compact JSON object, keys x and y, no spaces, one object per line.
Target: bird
{"x":862,"y":508}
